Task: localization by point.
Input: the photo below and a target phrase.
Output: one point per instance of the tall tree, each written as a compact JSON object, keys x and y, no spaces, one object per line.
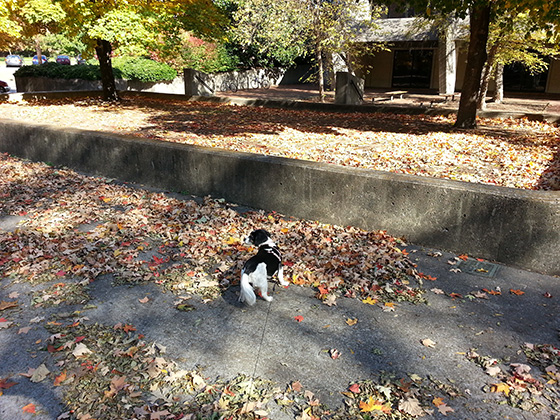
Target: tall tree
{"x":106,"y":23}
{"x":31,"y":19}
{"x":10,"y":29}
{"x":544,"y":14}
{"x":284,"y":30}
{"x":514,"y":37}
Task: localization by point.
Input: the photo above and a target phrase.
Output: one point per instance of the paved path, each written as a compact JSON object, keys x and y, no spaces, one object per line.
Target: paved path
{"x":225,"y":338}
{"x":513,"y":101}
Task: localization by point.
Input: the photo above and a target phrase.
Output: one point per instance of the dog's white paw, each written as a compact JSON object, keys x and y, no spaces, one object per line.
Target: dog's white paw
{"x":284,"y":283}
{"x":267,"y":298}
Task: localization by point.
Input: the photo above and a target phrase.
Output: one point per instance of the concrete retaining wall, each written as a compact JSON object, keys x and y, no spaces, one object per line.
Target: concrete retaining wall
{"x":516,"y":227}
{"x":45,"y":84}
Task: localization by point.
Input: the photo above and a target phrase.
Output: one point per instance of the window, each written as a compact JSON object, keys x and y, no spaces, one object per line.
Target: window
{"x":412,"y":68}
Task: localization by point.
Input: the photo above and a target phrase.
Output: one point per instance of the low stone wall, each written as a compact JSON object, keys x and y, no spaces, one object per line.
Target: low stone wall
{"x":45,"y":84}
{"x":516,"y":227}
{"x":198,"y":83}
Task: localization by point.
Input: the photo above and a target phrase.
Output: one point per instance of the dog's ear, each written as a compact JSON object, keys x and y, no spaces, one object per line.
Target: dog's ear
{"x":266,"y":233}
{"x":259,"y":236}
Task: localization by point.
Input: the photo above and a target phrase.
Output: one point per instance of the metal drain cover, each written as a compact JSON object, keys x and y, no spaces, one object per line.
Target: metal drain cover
{"x":480,"y":268}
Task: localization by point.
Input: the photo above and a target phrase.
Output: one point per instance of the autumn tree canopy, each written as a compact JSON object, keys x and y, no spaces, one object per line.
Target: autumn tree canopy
{"x":103,"y":24}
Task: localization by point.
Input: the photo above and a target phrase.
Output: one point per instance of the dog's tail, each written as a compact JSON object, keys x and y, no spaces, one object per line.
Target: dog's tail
{"x":247,"y":294}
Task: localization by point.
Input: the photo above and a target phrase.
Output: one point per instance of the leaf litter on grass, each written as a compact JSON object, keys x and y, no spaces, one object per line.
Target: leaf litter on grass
{"x":515,"y":153}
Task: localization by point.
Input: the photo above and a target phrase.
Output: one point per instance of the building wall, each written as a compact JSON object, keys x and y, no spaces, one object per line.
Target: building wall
{"x":382,"y":73}
{"x":553,"y":81}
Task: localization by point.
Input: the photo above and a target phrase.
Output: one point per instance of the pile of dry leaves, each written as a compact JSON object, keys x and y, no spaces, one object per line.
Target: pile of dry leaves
{"x":75,"y":228}
{"x":513,"y":153}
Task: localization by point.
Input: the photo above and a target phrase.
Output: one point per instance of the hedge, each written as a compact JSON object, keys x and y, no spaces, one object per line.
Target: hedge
{"x":140,"y":69}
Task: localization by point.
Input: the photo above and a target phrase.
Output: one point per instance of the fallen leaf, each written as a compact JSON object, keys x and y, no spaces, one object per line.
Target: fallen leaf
{"x":355,"y":388}
{"x":7,"y":305}
{"x":80,"y":350}
{"x":29,"y":408}
{"x":296,"y":386}
{"x":500,"y":387}
{"x":13,"y":295}
{"x":445,"y":409}
{"x":369,"y":301}
{"x":411,"y":406}
{"x":330,"y":300}
{"x":5,"y":384}
{"x":351,"y":322}
{"x":374,"y":405}
{"x":428,"y":343}
{"x":493,"y":370}
{"x":24,"y":330}
{"x":437,"y":291}
{"x":128,"y":328}
{"x":298,"y":318}
{"x":39,"y":374}
{"x":144,"y":300}
{"x":492,"y":292}
{"x":516,"y":292}
{"x":59,"y":379}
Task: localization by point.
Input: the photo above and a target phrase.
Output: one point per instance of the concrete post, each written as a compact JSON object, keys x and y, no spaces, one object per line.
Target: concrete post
{"x":447,"y":61}
{"x":349,"y":89}
{"x":197,"y":83}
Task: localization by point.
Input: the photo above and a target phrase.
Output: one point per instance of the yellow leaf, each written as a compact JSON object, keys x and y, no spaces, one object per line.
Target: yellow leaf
{"x":501,"y":387}
{"x":374,"y":405}
{"x":351,"y":322}
{"x":369,"y":301}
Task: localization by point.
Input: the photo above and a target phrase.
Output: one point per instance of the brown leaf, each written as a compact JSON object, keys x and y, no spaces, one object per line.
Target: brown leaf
{"x":4,"y":384}
{"x":7,"y":305}
{"x":411,"y":406}
{"x":296,"y":386}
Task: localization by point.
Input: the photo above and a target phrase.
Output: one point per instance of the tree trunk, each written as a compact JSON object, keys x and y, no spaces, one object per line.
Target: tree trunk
{"x":498,"y":96}
{"x":38,"y":50}
{"x":486,"y":75}
{"x":103,"y":50}
{"x":321,"y":75}
{"x":476,"y":57}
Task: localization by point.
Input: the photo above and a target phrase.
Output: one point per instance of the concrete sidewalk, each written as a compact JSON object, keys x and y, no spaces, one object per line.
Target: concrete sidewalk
{"x":296,"y":338}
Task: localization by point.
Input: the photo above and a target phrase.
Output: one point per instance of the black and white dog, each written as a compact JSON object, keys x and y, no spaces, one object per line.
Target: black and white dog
{"x":259,"y":268}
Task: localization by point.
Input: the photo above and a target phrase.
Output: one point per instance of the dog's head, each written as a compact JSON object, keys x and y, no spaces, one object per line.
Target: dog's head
{"x":258,"y":237}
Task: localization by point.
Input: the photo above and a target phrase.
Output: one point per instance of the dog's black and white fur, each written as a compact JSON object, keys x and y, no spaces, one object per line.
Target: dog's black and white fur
{"x":260,"y":267}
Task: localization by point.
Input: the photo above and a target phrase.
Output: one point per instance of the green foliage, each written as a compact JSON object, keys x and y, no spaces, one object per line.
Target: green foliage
{"x":144,"y":70}
{"x":266,"y":33}
{"x":60,"y":71}
{"x":207,"y":56}
{"x":54,"y":44}
{"x":140,"y":69}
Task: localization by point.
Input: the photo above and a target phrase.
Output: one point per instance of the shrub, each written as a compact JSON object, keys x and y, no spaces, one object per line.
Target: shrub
{"x":60,"y":71}
{"x":141,"y":69}
{"x":144,"y":70}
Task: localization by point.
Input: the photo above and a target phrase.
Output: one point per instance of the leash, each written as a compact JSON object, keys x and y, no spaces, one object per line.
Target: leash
{"x":252,"y":379}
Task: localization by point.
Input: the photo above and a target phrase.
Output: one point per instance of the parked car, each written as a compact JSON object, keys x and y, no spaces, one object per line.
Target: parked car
{"x":4,"y":87}
{"x":34,"y":60}
{"x":80,"y":60}
{"x":13,"y":60}
{"x":63,"y":59}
